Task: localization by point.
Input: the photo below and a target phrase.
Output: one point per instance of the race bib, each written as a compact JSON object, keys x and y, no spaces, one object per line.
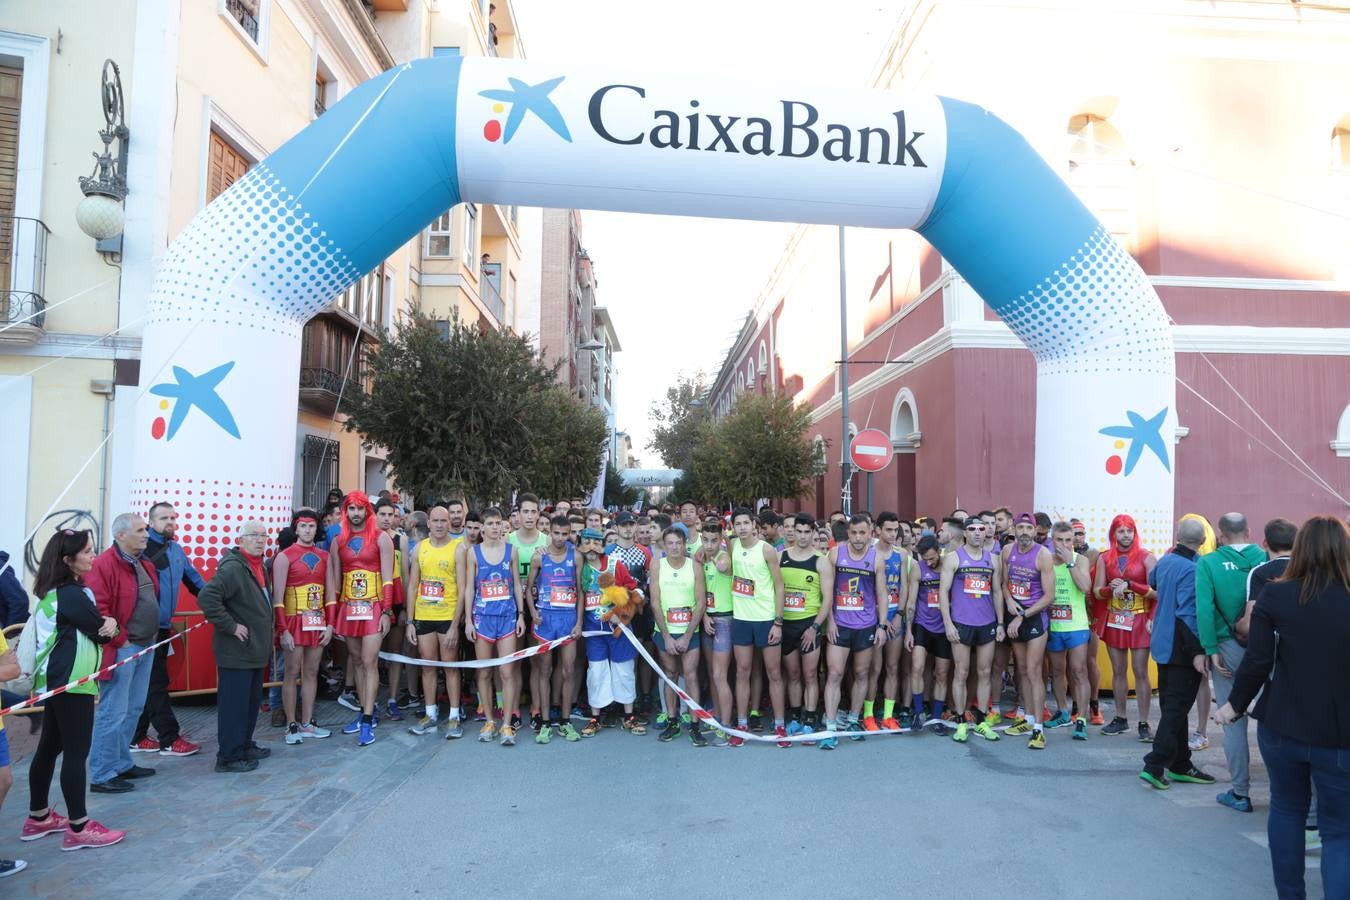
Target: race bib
{"x":1060,"y":613}
{"x":563,"y":597}
{"x":1120,"y":619}
{"x":711,"y":600}
{"x":892,"y":601}
{"x":494,"y":590}
{"x":743,"y":587}
{"x":360,"y":610}
{"x":312,"y":620}
{"x":933,"y":602}
{"x":1020,"y":590}
{"x":592,"y":601}
{"x":794,"y":600}
{"x":849,"y":602}
{"x":359,"y":584}
{"x":433,"y":591}
{"x":977,"y":585}
{"x":679,"y":615}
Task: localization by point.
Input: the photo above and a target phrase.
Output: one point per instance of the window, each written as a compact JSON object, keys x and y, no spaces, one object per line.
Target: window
{"x":905,"y":422}
{"x":763,"y":357}
{"x":443,"y":328}
{"x":366,"y":300}
{"x":1340,"y":145}
{"x":444,"y":51}
{"x":471,"y":237}
{"x":1341,"y":444}
{"x":11,"y":90}
{"x":320,"y":457}
{"x":438,"y":237}
{"x":323,"y":91}
{"x":1101,"y":171}
{"x":248,"y":19}
{"x":510,"y":300}
{"x":225,"y":165}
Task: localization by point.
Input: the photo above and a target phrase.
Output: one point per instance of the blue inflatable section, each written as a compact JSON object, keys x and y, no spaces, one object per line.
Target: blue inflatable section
{"x":400,"y":127}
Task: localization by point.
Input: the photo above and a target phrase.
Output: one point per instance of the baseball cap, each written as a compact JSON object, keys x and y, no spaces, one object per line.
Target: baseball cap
{"x":1024,"y":519}
{"x":625,"y":518}
{"x":974,"y":520}
{"x":592,"y":534}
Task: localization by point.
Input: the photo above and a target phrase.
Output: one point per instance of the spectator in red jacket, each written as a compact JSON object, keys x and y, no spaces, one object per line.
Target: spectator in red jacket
{"x":126,"y":587}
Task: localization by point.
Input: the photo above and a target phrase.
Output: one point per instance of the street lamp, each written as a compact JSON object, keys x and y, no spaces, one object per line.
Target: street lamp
{"x":100,"y":214}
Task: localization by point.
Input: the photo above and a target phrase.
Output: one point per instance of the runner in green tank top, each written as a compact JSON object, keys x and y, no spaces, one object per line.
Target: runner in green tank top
{"x":678,"y":599}
{"x":757,"y":621}
{"x":1069,"y":630}
{"x":527,"y":541}
{"x":716,"y":561}
{"x":804,"y":571}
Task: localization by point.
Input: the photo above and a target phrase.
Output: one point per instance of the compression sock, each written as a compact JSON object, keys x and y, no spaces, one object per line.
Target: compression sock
{"x":887,"y":708}
{"x":918,"y":704}
{"x":867,"y":709}
{"x":937,"y":709}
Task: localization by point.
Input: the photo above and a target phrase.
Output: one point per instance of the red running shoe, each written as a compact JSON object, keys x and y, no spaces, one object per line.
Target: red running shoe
{"x":781,"y":732}
{"x":146,"y":744}
{"x":92,"y":835}
{"x":736,"y":741}
{"x":33,"y":829}
{"x":181,"y":746}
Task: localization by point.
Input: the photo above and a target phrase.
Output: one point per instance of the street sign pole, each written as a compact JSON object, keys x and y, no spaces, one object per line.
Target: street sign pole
{"x":845,"y":467}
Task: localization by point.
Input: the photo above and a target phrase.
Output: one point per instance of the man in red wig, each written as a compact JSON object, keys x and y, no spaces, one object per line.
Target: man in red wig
{"x":1122,"y":617}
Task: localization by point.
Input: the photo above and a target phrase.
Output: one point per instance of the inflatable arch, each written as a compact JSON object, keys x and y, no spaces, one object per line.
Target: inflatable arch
{"x":220,"y":357}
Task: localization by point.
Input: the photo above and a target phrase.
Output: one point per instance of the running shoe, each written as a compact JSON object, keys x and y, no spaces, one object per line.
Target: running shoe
{"x":1118,"y":725}
{"x":1233,"y":801}
{"x":478,"y":714}
{"x":92,"y":834}
{"x":756,"y":722}
{"x":536,"y":722}
{"x":1159,"y":783}
{"x":515,"y":721}
{"x":591,"y":728}
{"x":293,"y":735}
{"x":962,"y":733}
{"x":994,"y":718}
{"x":454,"y":729}
{"x":891,"y":725}
{"x":1198,"y":742}
{"x":1058,"y":720}
{"x":311,"y":729}
{"x":669,"y":731}
{"x":940,"y":728}
{"x":1080,"y":729}
{"x":406,"y":700}
{"x":854,"y":730}
{"x":508,"y":736}
{"x":1145,"y":736}
{"x":948,"y":716}
{"x":696,"y":735}
{"x":146,"y":744}
{"x":735,"y":741}
{"x":869,"y":723}
{"x":1019,"y":728}
{"x":720,"y":738}
{"x":662,"y":720}
{"x":1037,"y":741}
{"x":781,"y":732}
{"x":794,"y":727}
{"x":579,"y":714}
{"x":986,"y":731}
{"x":10,"y":867}
{"x":1096,"y":716}
{"x":545,"y":733}
{"x":181,"y":746}
{"x":1192,"y":776}
{"x":353,"y":726}
{"x":348,"y":699}
{"x":366,"y":737}
{"x":633,"y":726}
{"x":425,"y":725}
{"x":488,"y":731}
{"x":569,"y":732}
{"x":278,"y":717}
{"x":828,"y":743}
{"x":33,"y":829}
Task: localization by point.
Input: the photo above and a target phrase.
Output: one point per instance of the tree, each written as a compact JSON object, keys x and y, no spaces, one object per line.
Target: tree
{"x":759,"y":450}
{"x":616,"y":492}
{"x":678,"y":420}
{"x":473,"y":412}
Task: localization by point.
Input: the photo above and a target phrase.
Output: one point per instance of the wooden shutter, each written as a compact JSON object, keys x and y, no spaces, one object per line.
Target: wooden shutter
{"x":225,"y":166}
{"x":11,"y":89}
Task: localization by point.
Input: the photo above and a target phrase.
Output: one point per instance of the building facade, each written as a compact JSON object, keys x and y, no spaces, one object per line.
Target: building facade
{"x":1213,"y":141}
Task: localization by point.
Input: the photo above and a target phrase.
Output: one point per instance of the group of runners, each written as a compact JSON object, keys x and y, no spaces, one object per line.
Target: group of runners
{"x":915,"y":623}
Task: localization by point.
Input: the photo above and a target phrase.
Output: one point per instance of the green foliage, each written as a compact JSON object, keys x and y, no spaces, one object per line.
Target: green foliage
{"x":676,"y":432}
{"x":759,"y":450}
{"x":616,"y":492}
{"x":475,"y":413}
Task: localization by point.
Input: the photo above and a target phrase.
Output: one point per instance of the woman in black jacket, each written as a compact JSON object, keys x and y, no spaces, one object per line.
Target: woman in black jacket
{"x":70,"y":630}
{"x":1304,"y":710}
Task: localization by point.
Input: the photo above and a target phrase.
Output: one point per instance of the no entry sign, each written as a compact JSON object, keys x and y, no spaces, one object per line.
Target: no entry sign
{"x":871,"y":450}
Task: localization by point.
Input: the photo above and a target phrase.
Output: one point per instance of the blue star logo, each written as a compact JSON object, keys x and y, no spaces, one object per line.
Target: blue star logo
{"x":530,"y":98}
{"x":1142,"y":434}
{"x":188,"y":390}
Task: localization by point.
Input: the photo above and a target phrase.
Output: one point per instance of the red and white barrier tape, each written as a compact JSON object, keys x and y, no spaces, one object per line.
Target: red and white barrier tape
{"x":522,"y":653}
{"x":46,"y":695}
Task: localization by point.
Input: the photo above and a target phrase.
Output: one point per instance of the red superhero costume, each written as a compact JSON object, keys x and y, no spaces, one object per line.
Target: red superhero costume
{"x":364,"y":594}
{"x":1122,"y":622}
{"x":303,"y":611}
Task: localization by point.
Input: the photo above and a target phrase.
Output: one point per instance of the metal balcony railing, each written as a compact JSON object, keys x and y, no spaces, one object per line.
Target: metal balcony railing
{"x":245,"y":12}
{"x":493,"y":301}
{"x":23,"y":271}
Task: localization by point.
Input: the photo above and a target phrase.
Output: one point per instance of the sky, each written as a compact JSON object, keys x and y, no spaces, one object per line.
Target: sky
{"x":678,"y":288}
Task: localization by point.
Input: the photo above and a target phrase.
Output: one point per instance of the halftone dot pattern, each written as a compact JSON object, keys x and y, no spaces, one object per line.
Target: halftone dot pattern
{"x":211,"y":512}
{"x":1156,"y":528}
{"x":254,"y":259}
{"x":1096,"y":314}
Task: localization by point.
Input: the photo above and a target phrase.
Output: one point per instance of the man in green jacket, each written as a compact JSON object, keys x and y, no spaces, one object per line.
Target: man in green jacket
{"x":237,"y":604}
{"x":1220,"y":599}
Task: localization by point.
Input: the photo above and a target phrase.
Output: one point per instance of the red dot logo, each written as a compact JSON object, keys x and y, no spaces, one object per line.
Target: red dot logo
{"x":1114,"y":464}
{"x":492,"y":130}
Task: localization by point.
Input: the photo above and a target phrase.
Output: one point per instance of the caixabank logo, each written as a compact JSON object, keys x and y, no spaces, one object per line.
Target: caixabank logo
{"x":795,"y":130}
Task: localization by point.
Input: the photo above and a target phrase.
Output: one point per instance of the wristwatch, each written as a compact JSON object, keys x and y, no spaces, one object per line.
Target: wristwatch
{"x":817,"y":626}
{"x":778,"y":621}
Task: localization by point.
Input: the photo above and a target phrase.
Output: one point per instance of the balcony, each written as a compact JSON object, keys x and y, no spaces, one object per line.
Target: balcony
{"x":245,"y":12}
{"x":320,"y":388}
{"x":492,"y":299}
{"x":23,"y":278}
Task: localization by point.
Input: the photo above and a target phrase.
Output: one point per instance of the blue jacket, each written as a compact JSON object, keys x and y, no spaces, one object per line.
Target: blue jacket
{"x":13,"y":598}
{"x":1174,"y":580}
{"x":174,"y":569}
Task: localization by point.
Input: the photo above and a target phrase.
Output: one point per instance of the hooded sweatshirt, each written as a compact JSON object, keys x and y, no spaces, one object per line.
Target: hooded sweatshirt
{"x":1221,"y":582}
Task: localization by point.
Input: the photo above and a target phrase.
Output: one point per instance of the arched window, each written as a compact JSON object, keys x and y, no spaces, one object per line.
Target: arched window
{"x":763,"y":357}
{"x":820,"y":462}
{"x":1340,"y":173}
{"x":905,"y":434}
{"x":1101,"y":171}
{"x":1340,"y":145}
{"x":1341,"y":443}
